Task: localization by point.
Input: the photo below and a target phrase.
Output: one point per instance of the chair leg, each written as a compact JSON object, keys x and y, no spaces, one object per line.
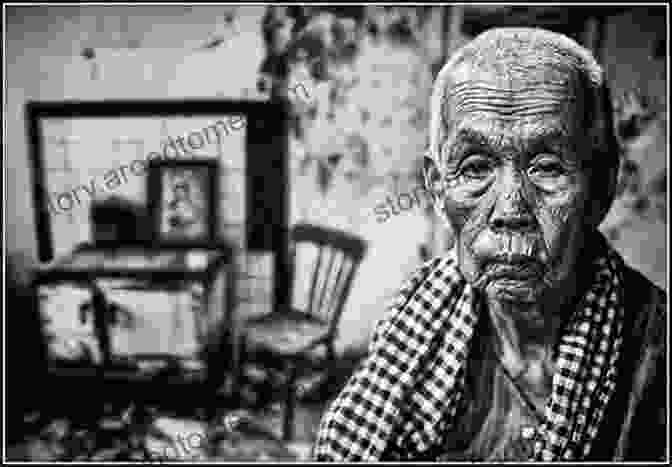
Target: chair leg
{"x":238,"y":368}
{"x":331,"y":361}
{"x":288,"y":427}
{"x":330,"y":373}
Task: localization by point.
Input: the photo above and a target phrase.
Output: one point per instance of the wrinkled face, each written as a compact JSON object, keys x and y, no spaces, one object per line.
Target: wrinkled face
{"x":511,"y":178}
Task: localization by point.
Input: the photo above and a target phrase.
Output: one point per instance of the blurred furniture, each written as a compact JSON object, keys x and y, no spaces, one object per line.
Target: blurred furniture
{"x":132,"y":359}
{"x":290,"y":337}
{"x":117,"y":220}
{"x":250,"y":142}
{"x":249,"y":139}
{"x":25,"y":346}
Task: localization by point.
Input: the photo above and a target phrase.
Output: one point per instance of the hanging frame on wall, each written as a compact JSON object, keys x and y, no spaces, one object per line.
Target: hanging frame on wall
{"x":264,"y":172}
{"x":183,"y":202}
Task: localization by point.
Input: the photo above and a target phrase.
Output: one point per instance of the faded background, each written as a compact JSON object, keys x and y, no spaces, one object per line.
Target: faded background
{"x":360,"y":130}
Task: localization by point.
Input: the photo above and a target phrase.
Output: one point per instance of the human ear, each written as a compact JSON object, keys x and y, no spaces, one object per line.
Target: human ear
{"x":432,"y":175}
{"x":432,"y":178}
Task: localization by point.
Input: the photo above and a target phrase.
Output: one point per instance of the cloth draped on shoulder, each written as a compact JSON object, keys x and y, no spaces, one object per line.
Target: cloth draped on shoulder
{"x":405,"y":396}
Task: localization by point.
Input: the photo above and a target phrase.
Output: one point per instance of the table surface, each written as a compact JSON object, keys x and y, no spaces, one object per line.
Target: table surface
{"x":154,"y":263}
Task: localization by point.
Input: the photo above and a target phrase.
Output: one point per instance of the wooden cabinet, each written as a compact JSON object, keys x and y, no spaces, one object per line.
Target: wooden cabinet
{"x":135,"y":310}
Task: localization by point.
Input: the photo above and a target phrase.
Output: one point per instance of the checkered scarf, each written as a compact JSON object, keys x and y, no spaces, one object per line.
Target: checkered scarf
{"x":405,"y":396}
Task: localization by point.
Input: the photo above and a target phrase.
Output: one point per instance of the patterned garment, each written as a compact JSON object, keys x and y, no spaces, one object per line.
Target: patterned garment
{"x":405,"y":396}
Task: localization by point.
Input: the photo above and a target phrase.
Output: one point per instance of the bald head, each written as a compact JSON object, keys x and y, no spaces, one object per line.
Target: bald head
{"x":515,"y":59}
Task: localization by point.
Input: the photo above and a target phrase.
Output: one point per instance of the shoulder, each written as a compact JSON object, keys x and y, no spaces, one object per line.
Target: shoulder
{"x":648,"y":305}
{"x":637,"y":282}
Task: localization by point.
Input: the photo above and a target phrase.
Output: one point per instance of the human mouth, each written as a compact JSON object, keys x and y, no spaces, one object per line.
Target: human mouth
{"x":518,"y":258}
{"x":513,"y":266}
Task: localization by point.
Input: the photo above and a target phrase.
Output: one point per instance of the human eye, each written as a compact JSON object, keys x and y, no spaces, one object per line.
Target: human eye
{"x":547,"y":167}
{"x":476,"y":167}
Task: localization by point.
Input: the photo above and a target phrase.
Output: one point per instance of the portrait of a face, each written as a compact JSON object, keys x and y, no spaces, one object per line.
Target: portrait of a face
{"x":184,"y":208}
{"x":511,"y":181}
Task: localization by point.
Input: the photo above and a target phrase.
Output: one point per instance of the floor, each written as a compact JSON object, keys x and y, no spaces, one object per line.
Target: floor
{"x":185,"y":440}
{"x":255,"y":437}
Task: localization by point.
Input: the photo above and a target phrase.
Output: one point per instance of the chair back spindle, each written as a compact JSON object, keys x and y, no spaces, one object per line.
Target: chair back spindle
{"x":332,"y":269}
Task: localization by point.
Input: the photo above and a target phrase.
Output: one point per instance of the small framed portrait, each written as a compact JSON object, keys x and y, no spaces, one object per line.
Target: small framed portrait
{"x":182,"y":201}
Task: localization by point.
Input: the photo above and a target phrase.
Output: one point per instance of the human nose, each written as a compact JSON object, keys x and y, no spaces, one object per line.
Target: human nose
{"x":512,"y":210}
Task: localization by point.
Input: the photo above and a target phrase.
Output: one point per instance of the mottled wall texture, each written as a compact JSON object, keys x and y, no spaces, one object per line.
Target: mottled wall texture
{"x":359,"y":78}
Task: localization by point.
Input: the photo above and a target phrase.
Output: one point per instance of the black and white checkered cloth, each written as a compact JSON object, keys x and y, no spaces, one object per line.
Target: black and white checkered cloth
{"x":403,"y":399}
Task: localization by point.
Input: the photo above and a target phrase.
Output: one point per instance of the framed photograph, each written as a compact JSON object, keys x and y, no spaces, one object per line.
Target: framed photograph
{"x":183,"y":200}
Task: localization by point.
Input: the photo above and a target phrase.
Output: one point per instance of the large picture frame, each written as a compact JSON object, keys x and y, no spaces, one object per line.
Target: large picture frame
{"x":266,"y":172}
{"x":183,"y":202}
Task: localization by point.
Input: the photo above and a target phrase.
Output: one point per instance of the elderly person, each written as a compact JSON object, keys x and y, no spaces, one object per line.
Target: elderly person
{"x":531,"y":340}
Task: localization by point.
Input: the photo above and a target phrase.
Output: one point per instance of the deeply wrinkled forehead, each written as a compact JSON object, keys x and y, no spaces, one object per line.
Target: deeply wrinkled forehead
{"x":512,"y":101}
{"x":521,"y":72}
{"x":512,"y":76}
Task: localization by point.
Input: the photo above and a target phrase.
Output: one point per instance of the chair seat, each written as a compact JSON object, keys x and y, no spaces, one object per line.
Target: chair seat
{"x":286,"y":334}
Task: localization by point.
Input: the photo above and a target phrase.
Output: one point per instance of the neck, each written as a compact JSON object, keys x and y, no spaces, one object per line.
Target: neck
{"x":523,"y":339}
{"x":521,"y":331}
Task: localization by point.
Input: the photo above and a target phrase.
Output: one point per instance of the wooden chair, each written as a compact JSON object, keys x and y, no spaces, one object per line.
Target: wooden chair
{"x":292,"y":336}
